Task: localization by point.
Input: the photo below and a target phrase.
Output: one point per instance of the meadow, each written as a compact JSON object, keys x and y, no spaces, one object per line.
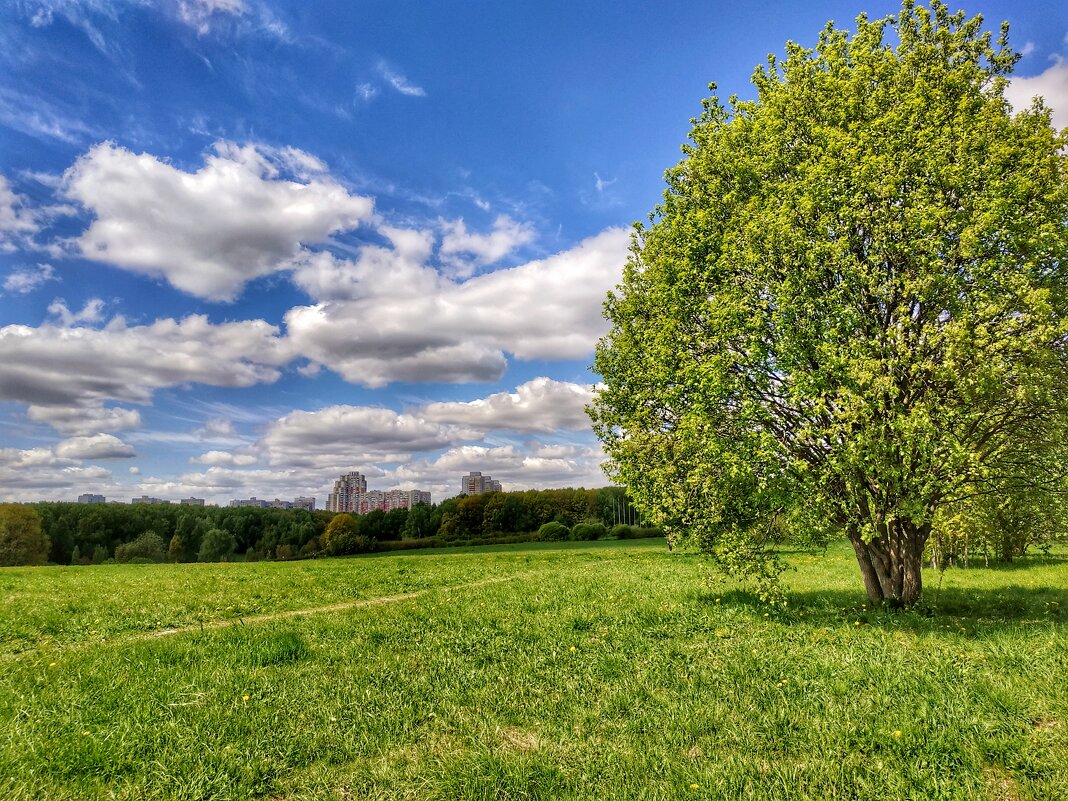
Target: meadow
{"x":547,"y":671}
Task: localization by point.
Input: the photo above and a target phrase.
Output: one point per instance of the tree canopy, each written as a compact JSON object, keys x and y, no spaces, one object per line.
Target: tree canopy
{"x":849,"y":312}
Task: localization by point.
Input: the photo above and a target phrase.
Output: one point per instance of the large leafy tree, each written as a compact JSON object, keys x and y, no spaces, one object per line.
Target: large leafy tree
{"x":850,"y":310}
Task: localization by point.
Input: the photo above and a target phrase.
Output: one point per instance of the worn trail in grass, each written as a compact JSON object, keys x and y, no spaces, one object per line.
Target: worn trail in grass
{"x":603,"y":672}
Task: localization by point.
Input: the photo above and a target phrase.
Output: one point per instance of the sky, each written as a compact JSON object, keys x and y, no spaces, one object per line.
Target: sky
{"x":247,"y":246}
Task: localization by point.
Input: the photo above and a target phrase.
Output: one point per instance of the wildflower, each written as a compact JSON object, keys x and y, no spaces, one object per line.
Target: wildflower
{"x":897,"y":732}
{"x":245,"y":698}
{"x":694,"y":786}
{"x":51,"y":664}
{"x":85,"y":734}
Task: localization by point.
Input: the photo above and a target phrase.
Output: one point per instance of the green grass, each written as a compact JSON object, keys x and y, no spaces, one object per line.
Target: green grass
{"x":595,"y":671}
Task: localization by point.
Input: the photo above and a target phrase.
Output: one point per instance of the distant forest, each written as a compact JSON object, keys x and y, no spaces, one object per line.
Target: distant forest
{"x":94,"y":533}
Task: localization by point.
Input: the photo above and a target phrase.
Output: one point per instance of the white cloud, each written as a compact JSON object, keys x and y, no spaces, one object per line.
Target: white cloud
{"x":366,"y":91}
{"x":91,"y":312}
{"x":378,"y":270}
{"x":459,"y":332}
{"x":224,"y":458}
{"x":540,"y":405}
{"x":399,"y":82}
{"x":341,"y":435}
{"x":514,"y":466}
{"x":465,"y":251}
{"x":1051,"y":84}
{"x":211,"y":231}
{"x":18,"y":221}
{"x":62,"y":366}
{"x":199,"y":14}
{"x":82,"y":419}
{"x":97,"y":446}
{"x":24,"y":281}
{"x":27,"y":475}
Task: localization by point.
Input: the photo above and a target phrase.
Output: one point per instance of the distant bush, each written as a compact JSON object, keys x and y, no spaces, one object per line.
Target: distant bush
{"x":621,"y":531}
{"x":140,"y":560}
{"x":553,"y":532}
{"x":645,"y":532}
{"x":100,"y":555}
{"x":588,"y":531}
{"x":342,"y":536}
{"x":284,"y":552}
{"x":218,"y":544}
{"x":176,"y":550}
{"x":149,"y":547}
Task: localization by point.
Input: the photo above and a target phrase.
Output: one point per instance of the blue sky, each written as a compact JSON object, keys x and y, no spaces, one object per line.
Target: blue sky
{"x":246,"y":246}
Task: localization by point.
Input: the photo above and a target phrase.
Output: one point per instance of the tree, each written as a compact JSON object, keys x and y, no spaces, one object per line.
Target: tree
{"x":850,"y":309}
{"x":149,"y":546}
{"x":344,"y":535}
{"x":217,"y":545}
{"x":21,"y":540}
{"x":176,"y":549}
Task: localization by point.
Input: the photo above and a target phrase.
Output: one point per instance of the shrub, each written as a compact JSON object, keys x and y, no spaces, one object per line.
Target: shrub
{"x":100,"y":555}
{"x":588,"y":531}
{"x":621,"y":531}
{"x":149,"y":547}
{"x":284,"y":552}
{"x":553,"y":532}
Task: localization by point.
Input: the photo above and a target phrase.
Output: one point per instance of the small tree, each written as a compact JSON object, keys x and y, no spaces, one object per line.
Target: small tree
{"x":217,"y":545}
{"x":148,"y":547}
{"x":176,"y":549}
{"x":553,"y":532}
{"x":76,"y":556}
{"x":851,"y":308}
{"x":22,"y":542}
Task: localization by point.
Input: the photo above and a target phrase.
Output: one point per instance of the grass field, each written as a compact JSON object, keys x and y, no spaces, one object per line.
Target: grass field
{"x":592,"y":671}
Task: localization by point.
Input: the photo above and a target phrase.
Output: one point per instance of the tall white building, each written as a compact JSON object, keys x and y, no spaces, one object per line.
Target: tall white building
{"x":348,"y":490}
{"x":474,"y":483}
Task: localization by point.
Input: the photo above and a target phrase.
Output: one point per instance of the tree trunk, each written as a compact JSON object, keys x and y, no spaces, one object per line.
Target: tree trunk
{"x":891,"y":562}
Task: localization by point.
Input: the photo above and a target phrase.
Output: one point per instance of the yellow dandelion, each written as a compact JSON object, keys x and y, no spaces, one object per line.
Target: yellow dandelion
{"x":51,"y":664}
{"x":694,"y":786}
{"x":897,"y":732}
{"x":572,"y":649}
{"x":85,"y":734}
{"x":246,"y":698}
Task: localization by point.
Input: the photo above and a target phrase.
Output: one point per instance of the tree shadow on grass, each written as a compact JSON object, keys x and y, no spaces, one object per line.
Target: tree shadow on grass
{"x":969,"y":611}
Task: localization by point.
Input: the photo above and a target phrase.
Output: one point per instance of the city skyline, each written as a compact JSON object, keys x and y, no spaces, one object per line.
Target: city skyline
{"x":245,"y":245}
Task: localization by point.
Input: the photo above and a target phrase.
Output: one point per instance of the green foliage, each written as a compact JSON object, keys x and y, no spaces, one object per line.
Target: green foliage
{"x":176,"y":549}
{"x":417,"y":524}
{"x":588,"y":531}
{"x":100,"y":555}
{"x":553,"y":532}
{"x":76,"y":556}
{"x":344,"y":535}
{"x":218,"y":544}
{"x":850,"y":308}
{"x":21,"y":540}
{"x":149,"y":547}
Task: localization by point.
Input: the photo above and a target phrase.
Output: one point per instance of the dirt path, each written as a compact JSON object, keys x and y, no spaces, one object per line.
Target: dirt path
{"x":320,"y":610}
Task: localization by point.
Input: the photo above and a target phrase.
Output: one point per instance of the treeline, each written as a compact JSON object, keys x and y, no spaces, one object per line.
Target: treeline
{"x":77,"y":533}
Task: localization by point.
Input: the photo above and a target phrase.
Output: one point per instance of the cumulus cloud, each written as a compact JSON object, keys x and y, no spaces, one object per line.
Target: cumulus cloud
{"x":341,"y":435}
{"x":31,"y":474}
{"x":85,"y":418}
{"x":97,"y":446}
{"x":540,"y":405}
{"x":516,"y":467}
{"x":224,"y":458}
{"x":378,"y":270}
{"x":248,"y":212}
{"x":78,"y":367}
{"x":1051,"y":85}
{"x":464,"y":250}
{"x":459,"y":332}
{"x":18,"y":220}
{"x":27,"y":279}
{"x":91,"y":312}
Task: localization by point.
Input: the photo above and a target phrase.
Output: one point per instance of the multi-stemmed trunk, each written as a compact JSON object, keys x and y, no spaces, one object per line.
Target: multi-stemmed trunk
{"x":890,"y":562}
